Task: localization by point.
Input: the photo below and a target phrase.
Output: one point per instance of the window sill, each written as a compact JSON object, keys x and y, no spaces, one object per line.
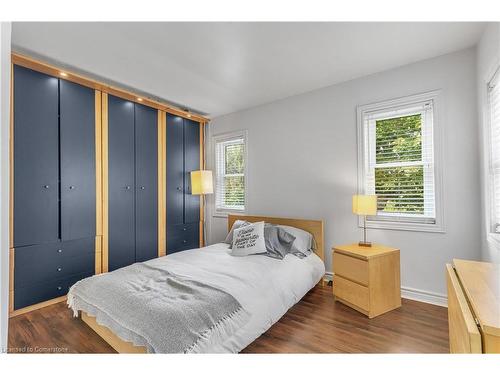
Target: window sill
{"x":220,"y":215}
{"x":225,"y":214}
{"x":407,"y":226}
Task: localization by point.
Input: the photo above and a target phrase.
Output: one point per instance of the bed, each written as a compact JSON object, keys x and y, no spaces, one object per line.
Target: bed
{"x":264,"y":287}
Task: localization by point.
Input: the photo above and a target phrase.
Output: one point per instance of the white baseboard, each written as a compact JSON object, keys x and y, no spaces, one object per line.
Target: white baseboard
{"x":414,"y":294}
{"x":424,"y":296}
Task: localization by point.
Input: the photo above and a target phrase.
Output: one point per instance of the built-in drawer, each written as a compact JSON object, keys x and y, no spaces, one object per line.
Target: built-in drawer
{"x":350,"y":268}
{"x":183,"y":237}
{"x":351,"y":292}
{"x":34,"y":293}
{"x":47,"y":262}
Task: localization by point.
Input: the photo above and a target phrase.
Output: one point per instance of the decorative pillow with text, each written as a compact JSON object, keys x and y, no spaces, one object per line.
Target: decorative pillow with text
{"x":249,"y":240}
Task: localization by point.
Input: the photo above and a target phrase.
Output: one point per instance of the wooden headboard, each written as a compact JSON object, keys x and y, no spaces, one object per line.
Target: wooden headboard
{"x":315,"y":227}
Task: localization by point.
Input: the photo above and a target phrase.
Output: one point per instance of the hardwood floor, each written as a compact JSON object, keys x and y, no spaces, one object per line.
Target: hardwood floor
{"x":316,"y":324}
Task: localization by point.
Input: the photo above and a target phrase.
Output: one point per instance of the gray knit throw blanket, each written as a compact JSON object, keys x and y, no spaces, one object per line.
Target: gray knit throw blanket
{"x":152,"y":307}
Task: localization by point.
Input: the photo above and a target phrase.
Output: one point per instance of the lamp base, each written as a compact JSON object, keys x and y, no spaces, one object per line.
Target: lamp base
{"x":365,"y":244}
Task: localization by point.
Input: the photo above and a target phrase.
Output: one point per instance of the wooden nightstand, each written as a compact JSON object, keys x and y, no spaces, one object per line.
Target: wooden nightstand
{"x":367,"y":278}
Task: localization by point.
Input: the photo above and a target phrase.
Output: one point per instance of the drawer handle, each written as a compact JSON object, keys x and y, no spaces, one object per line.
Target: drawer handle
{"x":185,"y":241}
{"x":46,"y":186}
{"x":59,"y":269}
{"x":71,"y":187}
{"x":59,"y":288}
{"x":184,"y":228}
{"x":59,"y":251}
{"x":179,"y":188}
{"x":127,"y":187}
{"x":142,"y":187}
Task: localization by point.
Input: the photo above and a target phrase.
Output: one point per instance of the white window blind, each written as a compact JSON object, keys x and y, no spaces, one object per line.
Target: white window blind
{"x":230,"y":173}
{"x":399,"y":162}
{"x":494,"y":106}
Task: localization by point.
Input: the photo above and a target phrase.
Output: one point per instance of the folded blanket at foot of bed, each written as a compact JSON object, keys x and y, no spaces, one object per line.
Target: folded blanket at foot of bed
{"x":152,"y":307}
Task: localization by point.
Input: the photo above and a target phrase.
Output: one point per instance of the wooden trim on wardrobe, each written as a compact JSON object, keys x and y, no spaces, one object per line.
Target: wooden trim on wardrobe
{"x":98,"y":255}
{"x":98,"y":182}
{"x":104,"y":156}
{"x":43,"y":67}
{"x":37,"y":306}
{"x":162,"y":162}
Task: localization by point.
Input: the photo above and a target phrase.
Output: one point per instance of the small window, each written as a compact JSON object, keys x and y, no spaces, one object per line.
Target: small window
{"x":230,"y":170}
{"x":398,"y":162}
{"x":494,"y":164}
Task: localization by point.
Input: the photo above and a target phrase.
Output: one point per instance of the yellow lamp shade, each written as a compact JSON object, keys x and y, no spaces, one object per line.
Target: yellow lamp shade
{"x":364,"y":204}
{"x":201,"y":182}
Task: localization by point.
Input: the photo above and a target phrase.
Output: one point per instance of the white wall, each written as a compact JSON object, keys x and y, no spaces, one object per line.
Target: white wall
{"x":488,"y":60}
{"x":303,"y":156}
{"x":5,"y":29}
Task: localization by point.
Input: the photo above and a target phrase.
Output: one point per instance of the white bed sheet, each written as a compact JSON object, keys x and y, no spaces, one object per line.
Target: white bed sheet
{"x":264,"y":286}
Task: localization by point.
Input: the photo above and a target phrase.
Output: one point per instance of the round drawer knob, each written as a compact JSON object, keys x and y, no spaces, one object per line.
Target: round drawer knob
{"x":46,"y":186}
{"x":71,"y":187}
{"x":127,"y":187}
{"x":59,"y":288}
{"x":179,"y":188}
{"x":59,"y":269}
{"x":184,"y":228}
{"x":59,"y":250}
{"x":185,"y":241}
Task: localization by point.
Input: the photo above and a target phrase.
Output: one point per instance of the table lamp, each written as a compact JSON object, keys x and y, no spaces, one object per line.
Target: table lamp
{"x":364,"y":205}
{"x":201,"y":182}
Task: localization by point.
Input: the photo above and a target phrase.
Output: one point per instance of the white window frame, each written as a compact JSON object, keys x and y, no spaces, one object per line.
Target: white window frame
{"x":404,"y":223}
{"x":225,"y":137}
{"x":492,"y":236}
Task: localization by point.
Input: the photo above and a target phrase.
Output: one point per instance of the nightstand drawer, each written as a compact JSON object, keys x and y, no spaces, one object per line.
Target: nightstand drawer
{"x":351,"y":292}
{"x":351,"y":268}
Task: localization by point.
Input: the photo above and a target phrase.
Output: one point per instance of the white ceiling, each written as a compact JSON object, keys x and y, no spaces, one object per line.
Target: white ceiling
{"x":218,"y":68}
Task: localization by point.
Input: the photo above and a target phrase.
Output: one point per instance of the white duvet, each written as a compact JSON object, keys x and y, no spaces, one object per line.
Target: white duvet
{"x":264,"y":286}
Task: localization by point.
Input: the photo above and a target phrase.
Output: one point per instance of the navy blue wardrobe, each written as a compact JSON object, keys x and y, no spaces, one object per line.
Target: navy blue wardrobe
{"x":133,"y":183}
{"x":55,"y":241}
{"x":183,"y":208}
{"x":54,"y":197}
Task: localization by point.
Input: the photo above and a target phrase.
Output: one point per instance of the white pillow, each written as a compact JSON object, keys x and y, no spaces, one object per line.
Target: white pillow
{"x":303,"y":240}
{"x":249,"y":239}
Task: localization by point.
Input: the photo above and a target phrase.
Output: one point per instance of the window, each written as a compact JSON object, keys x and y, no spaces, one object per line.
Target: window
{"x":230,"y":171}
{"x":494,"y":165}
{"x":398,"y":162}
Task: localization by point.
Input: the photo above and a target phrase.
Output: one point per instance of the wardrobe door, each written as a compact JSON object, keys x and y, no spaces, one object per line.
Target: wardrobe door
{"x":175,"y":170}
{"x":36,"y":158}
{"x":146,"y":174}
{"x":191,"y":163}
{"x":77,"y":134}
{"x":121,"y":155}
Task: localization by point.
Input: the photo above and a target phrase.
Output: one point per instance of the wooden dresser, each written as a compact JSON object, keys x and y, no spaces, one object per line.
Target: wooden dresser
{"x":367,"y":278}
{"x":473,"y":306}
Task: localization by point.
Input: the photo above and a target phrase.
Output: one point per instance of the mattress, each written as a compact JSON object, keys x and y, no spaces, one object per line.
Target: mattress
{"x":265,"y":287}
